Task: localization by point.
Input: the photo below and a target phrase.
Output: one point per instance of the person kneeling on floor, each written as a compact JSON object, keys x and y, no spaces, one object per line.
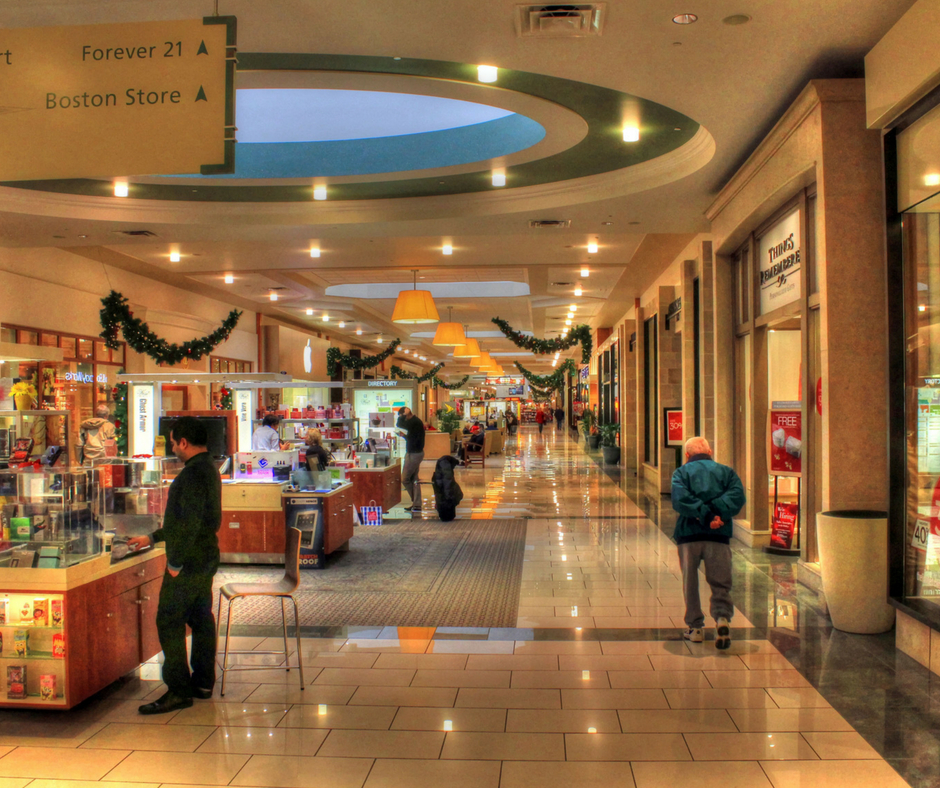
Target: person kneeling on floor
{"x":706,"y":495}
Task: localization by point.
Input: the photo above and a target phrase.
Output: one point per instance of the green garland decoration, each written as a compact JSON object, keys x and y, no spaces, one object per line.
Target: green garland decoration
{"x":553,"y":382}
{"x":398,"y":372}
{"x":119,"y":394}
{"x":336,"y":356}
{"x":541,"y":396}
{"x":226,"y":399}
{"x":450,"y":386}
{"x":580,"y":334}
{"x":116,"y":315}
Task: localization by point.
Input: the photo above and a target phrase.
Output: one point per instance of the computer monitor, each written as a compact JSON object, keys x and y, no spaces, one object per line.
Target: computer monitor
{"x":216,"y":427}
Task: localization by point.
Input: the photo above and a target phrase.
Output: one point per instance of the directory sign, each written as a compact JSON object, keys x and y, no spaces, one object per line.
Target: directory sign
{"x":103,"y":101}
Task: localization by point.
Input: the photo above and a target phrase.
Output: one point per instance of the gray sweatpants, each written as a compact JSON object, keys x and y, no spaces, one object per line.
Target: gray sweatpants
{"x":717,"y":558}
{"x":409,"y":476}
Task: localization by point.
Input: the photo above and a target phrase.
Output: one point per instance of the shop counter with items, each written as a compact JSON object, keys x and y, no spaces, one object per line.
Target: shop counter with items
{"x":74,"y":616}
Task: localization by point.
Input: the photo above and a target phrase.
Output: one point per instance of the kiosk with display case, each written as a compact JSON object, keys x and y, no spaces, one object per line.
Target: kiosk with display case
{"x":71,"y":620}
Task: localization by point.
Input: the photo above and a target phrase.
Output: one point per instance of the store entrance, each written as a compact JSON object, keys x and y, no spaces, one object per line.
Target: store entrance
{"x":784,"y":433}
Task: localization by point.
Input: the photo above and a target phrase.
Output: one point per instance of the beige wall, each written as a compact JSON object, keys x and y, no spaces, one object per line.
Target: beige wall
{"x":905,"y":65}
{"x":58,"y":291}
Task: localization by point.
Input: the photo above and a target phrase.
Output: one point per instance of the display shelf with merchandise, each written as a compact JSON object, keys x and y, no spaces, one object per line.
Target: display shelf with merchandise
{"x":71,"y":622}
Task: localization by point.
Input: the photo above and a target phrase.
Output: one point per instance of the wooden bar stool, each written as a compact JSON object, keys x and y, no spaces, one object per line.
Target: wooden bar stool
{"x":283,"y":589}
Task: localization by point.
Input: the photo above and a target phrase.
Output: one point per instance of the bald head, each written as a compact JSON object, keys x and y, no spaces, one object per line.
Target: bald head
{"x":697,"y":445}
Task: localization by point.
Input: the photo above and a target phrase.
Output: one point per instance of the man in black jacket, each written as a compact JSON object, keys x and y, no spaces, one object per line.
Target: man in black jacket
{"x":414,"y":453}
{"x":190,"y":531}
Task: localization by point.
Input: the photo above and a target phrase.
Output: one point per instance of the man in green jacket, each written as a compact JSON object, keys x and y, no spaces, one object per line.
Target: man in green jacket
{"x":190,"y":531}
{"x":706,"y":495}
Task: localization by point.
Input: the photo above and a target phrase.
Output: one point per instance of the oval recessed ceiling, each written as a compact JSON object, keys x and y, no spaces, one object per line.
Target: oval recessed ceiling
{"x":307,"y":133}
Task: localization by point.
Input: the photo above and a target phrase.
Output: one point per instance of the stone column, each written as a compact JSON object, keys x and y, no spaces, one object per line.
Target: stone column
{"x":670,"y":384}
{"x":628,"y":398}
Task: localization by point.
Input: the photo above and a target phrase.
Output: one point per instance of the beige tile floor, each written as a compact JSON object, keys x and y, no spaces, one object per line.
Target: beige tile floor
{"x":466,"y":712}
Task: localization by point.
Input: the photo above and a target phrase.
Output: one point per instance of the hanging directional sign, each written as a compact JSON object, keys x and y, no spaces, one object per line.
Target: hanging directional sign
{"x":103,"y":101}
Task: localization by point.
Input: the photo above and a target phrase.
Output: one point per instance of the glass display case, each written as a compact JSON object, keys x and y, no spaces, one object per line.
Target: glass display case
{"x":50,"y":431}
{"x":133,"y":493}
{"x":49,"y":517}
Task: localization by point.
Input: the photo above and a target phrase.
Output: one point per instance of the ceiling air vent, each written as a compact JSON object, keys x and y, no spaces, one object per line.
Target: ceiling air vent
{"x":549,"y":224}
{"x":136,"y":233}
{"x":560,"y":21}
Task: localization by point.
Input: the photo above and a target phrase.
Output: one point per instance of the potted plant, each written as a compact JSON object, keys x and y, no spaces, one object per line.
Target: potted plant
{"x":24,"y":394}
{"x":609,"y":433}
{"x":587,"y":425}
{"x":448,"y":419}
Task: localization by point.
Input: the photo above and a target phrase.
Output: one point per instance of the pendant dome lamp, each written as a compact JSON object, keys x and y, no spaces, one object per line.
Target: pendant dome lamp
{"x":483,"y":361}
{"x":449,"y":334}
{"x":415,"y":306}
{"x":469,"y":350}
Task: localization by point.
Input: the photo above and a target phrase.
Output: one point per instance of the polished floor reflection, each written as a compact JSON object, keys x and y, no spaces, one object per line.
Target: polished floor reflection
{"x":593,"y":687}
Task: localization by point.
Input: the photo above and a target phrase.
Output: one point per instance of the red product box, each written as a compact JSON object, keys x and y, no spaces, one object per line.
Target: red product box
{"x":58,"y":646}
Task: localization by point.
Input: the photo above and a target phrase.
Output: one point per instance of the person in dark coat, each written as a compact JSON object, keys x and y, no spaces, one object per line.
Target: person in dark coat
{"x":190,"y":532}
{"x":447,"y":493}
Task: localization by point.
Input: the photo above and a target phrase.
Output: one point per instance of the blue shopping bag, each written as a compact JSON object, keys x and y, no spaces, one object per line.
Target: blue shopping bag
{"x":371,"y":515}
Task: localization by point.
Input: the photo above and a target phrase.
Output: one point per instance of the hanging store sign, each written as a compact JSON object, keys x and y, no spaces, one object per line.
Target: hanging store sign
{"x":785,"y":443}
{"x":243,"y":411}
{"x":780,"y":264}
{"x":101,"y":101}
{"x":143,"y":418}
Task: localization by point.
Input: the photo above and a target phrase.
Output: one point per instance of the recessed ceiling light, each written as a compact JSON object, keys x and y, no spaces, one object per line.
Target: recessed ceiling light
{"x":570,"y":315}
{"x":342,"y":324}
{"x":174,"y":256}
{"x":685,"y":19}
{"x":120,"y":188}
{"x":573,"y":307}
{"x":736,"y":19}
{"x":585,"y":272}
{"x":358,"y":332}
{"x":499,"y":177}
{"x":592,"y":247}
{"x":326,"y":318}
{"x":229,"y":279}
{"x":607,"y":224}
{"x":319,"y":192}
{"x":631,"y":134}
{"x":933,"y":179}
{"x":314,"y":251}
{"x":447,"y":249}
{"x":273,"y":296}
{"x":310,"y":312}
{"x":487,"y":73}
{"x":379,"y":339}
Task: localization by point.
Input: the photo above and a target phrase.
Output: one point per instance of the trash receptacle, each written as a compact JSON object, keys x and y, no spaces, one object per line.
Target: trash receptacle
{"x":853,"y":557}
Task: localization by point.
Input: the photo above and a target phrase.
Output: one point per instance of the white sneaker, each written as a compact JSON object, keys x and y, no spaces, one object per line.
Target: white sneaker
{"x":694,"y":634}
{"x":723,"y":633}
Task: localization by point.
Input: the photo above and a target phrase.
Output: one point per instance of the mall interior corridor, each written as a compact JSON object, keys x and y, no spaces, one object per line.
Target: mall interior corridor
{"x":593,"y":686}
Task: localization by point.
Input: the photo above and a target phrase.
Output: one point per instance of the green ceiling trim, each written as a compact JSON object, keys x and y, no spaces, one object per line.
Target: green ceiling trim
{"x":663,"y":130}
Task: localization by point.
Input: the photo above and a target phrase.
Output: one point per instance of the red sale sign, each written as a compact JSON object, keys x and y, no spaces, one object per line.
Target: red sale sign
{"x":785,"y":443}
{"x":673,"y":426}
{"x":784,"y":524}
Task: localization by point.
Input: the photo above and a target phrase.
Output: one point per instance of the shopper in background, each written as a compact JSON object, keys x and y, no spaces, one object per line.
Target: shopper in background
{"x":265,"y":438}
{"x":511,"y":422}
{"x":540,"y":418}
{"x":559,"y":416}
{"x":414,"y":453}
{"x":706,"y":495}
{"x":317,"y":457}
{"x":97,"y":435}
{"x":190,"y":531}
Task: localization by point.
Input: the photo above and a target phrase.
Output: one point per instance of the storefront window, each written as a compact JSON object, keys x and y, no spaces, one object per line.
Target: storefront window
{"x":922,"y":390}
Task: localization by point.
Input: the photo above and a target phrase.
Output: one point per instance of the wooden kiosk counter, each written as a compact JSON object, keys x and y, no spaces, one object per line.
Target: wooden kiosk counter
{"x":70,"y":632}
